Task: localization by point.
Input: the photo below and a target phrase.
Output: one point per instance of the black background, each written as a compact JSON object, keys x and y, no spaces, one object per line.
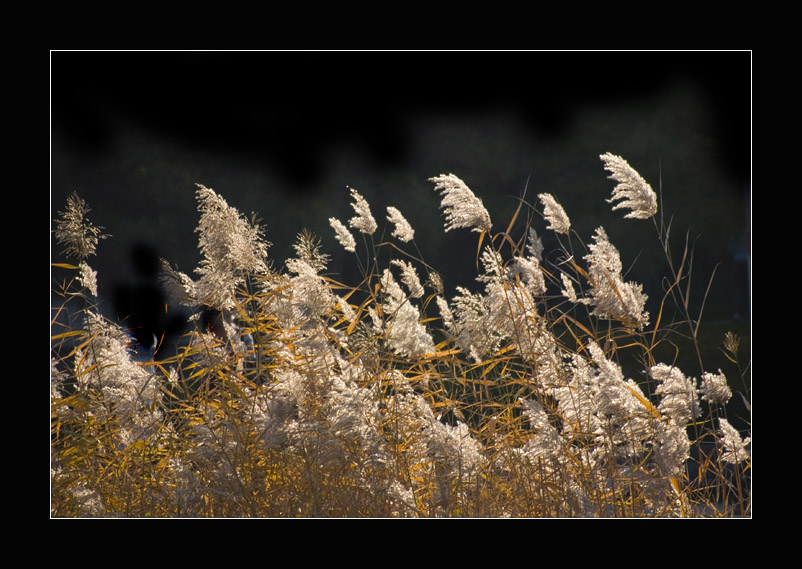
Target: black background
{"x":284,"y":133}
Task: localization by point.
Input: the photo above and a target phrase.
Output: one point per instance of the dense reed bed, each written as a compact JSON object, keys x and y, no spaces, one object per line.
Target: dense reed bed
{"x":298,"y":395}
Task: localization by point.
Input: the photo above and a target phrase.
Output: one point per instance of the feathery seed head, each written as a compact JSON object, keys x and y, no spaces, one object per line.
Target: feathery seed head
{"x":678,"y":393}
{"x":363,"y":221}
{"x":179,"y":288}
{"x":612,"y":297}
{"x":410,"y":278}
{"x":636,"y":194}
{"x":403,"y":230}
{"x":714,"y":388}
{"x":534,"y":245}
{"x":88,"y":278}
{"x":555,"y":214}
{"x":343,"y":235}
{"x":462,"y":207}
{"x":735,"y":448}
{"x":307,"y":247}
{"x":232,"y":248}
{"x":75,"y":232}
{"x":405,"y":335}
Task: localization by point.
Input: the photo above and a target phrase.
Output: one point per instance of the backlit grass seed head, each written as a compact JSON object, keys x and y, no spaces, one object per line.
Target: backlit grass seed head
{"x":578,"y":399}
{"x":461,"y":206}
{"x":555,"y":214}
{"x":405,"y":335}
{"x":546,"y":442}
{"x":511,"y":315}
{"x":731,"y":343}
{"x":445,"y":313}
{"x":472,"y":323}
{"x":88,"y":278}
{"x":106,"y":364}
{"x":671,"y":448}
{"x":436,"y":282}
{"x":624,"y":420}
{"x":58,"y":378}
{"x":679,"y":401}
{"x":306,"y":299}
{"x":307,"y":247}
{"x":734,"y":448}
{"x":714,"y":388}
{"x":352,"y":415}
{"x":534,"y":245}
{"x":612,"y":297}
{"x":529,"y":271}
{"x":227,"y":240}
{"x":494,"y":266}
{"x":568,"y":288}
{"x":232,"y":248}
{"x":363,"y":221}
{"x":403,"y":230}
{"x":455,"y":449}
{"x":75,"y":232}
{"x":343,"y":235}
{"x":410,"y":278}
{"x":636,"y":194}
{"x":179,"y":288}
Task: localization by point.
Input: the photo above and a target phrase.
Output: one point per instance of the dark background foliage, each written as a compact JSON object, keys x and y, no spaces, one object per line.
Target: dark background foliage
{"x":283,"y":134}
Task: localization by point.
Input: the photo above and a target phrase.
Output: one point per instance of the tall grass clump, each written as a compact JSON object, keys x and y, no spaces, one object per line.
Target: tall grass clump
{"x":298,"y":395}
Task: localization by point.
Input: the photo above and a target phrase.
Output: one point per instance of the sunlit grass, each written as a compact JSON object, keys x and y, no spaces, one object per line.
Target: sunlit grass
{"x":545,"y":391}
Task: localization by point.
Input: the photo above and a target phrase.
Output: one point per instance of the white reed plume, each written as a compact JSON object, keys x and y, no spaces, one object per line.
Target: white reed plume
{"x":307,"y":247}
{"x":612,"y":297}
{"x":735,"y":448}
{"x":343,"y":235}
{"x":679,"y":401}
{"x":635,"y":192}
{"x":403,"y":230}
{"x":228,"y":241}
{"x":410,"y":278}
{"x":75,"y":232}
{"x":88,"y":278}
{"x":128,"y":391}
{"x":714,"y":388}
{"x":406,"y":335}
{"x":555,"y":214}
{"x":534,"y":245}
{"x":363,"y":221}
{"x":462,"y":207}
{"x":546,"y":442}
{"x":232,"y":247}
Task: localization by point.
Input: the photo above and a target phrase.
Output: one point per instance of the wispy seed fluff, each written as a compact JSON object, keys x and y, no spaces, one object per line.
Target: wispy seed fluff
{"x":735,"y":448}
{"x":612,"y":297}
{"x":714,"y":388}
{"x":232,"y":247}
{"x":74,"y":231}
{"x":405,"y":334}
{"x":87,"y":278}
{"x":363,"y":221}
{"x":678,"y":394}
{"x":343,"y":235}
{"x":534,"y":246}
{"x":403,"y":230}
{"x":229,"y":242}
{"x":555,"y":214}
{"x":410,"y":278}
{"x":462,"y":208}
{"x":636,"y":194}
